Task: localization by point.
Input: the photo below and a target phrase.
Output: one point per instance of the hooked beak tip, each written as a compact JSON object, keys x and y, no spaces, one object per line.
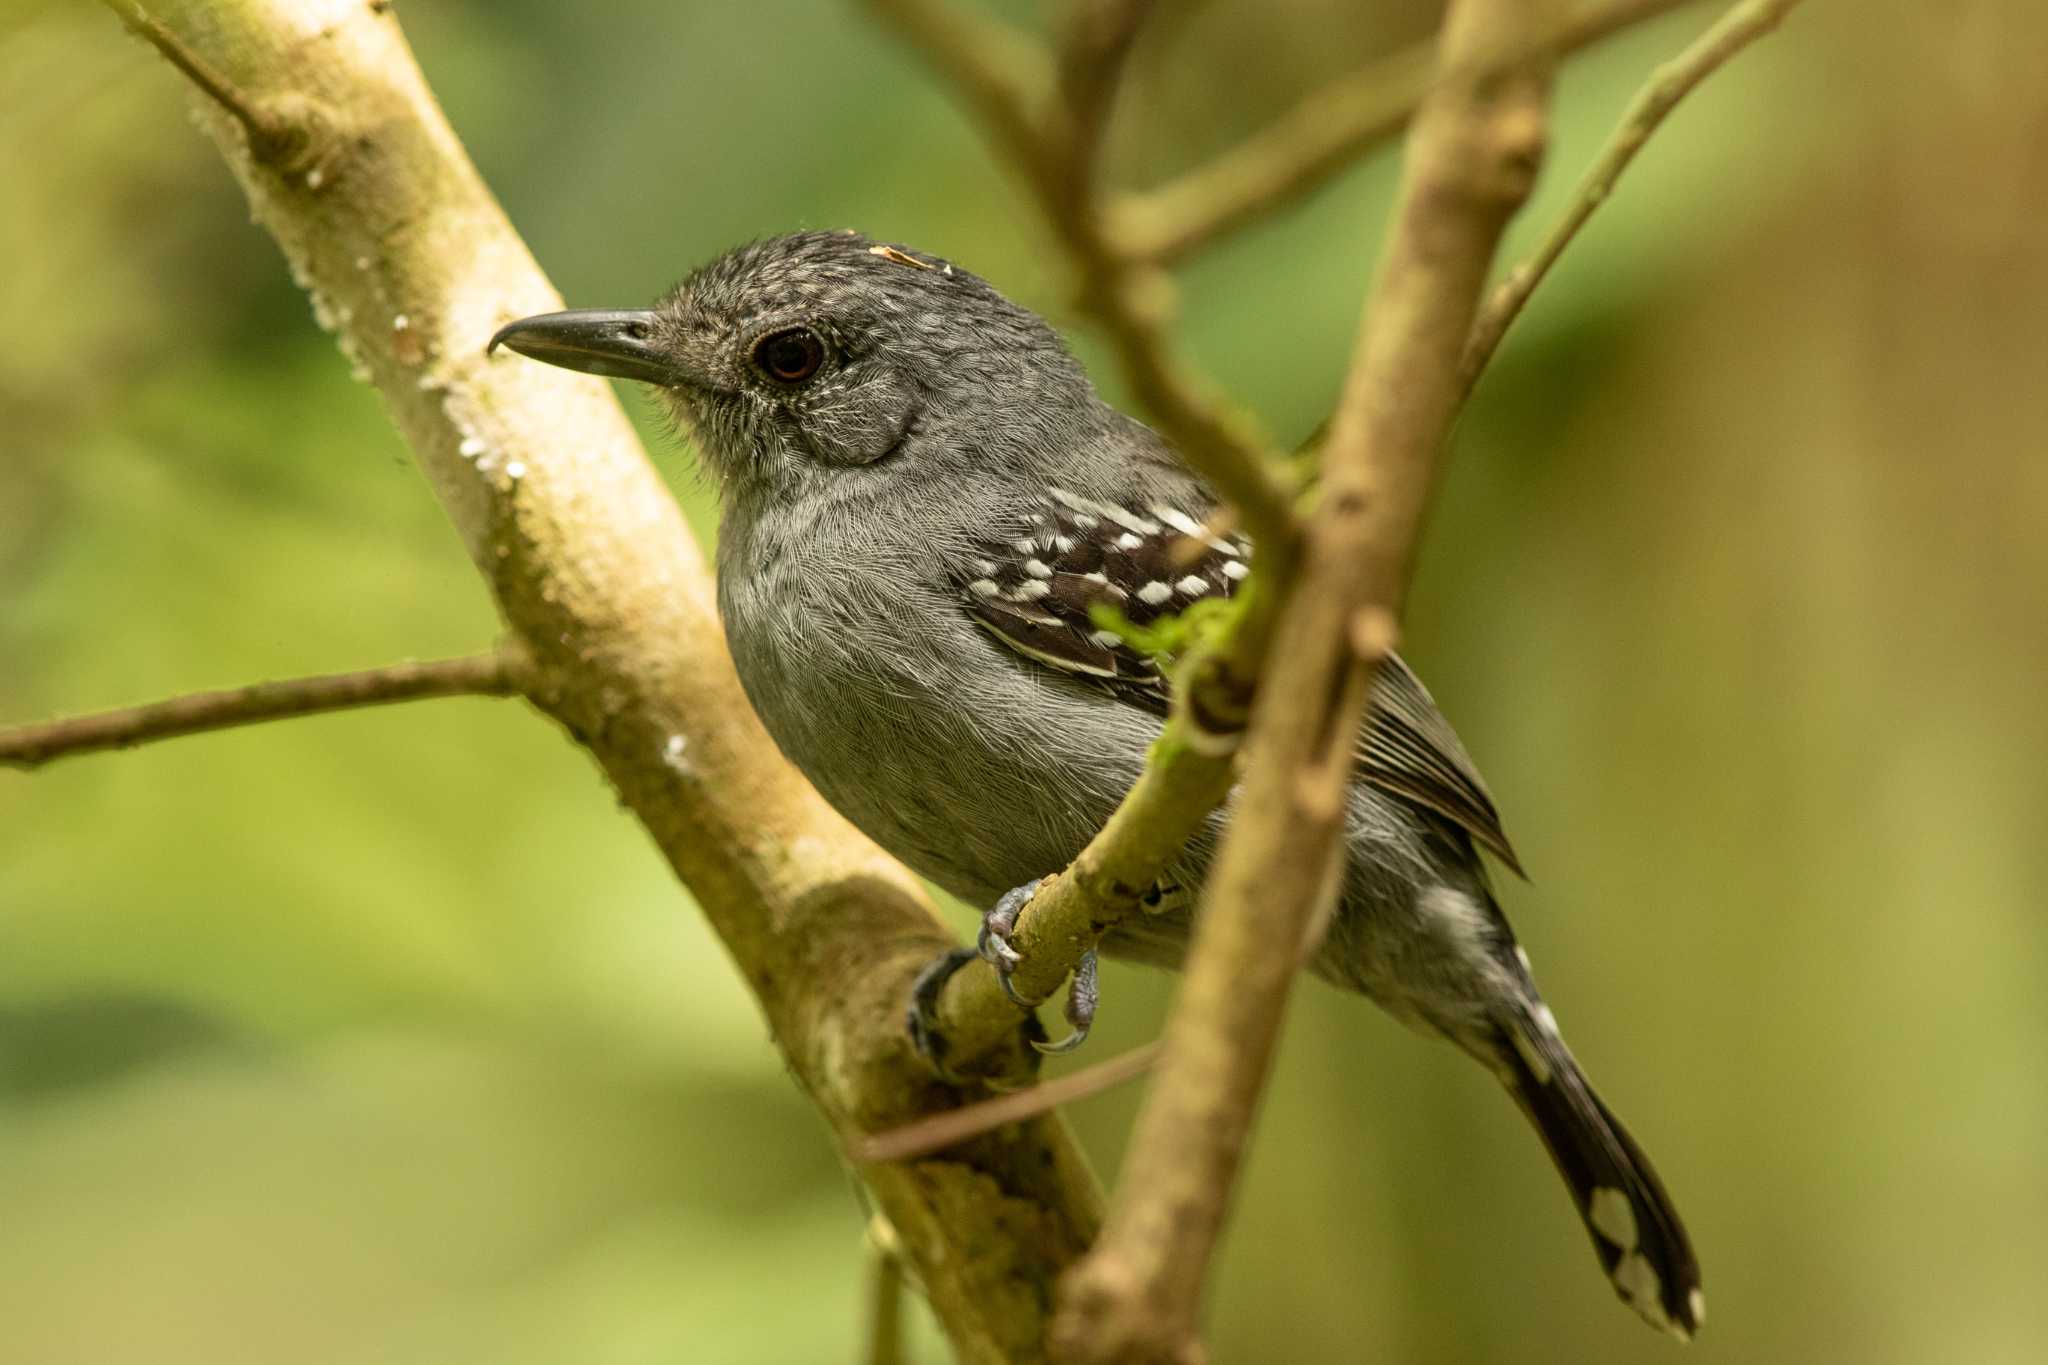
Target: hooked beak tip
{"x":616,"y":343}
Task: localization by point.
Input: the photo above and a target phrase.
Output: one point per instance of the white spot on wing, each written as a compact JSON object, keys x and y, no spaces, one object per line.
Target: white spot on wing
{"x":1108,"y":639}
{"x":1532,"y":1055}
{"x":1038,"y":568}
{"x":1031,"y":591}
{"x":1637,"y":1280}
{"x":1194,"y":585}
{"x":1613,"y":1217}
{"x":983,"y":587}
{"x":1236,"y":569}
{"x":1155,"y":592}
{"x":1697,"y":1302}
{"x":1128,"y":541}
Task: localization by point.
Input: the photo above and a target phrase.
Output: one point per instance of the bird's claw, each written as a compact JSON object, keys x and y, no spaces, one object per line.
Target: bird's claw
{"x":992,"y":945}
{"x":993,"y":942}
{"x":922,"y":1019}
{"x":1082,"y":997}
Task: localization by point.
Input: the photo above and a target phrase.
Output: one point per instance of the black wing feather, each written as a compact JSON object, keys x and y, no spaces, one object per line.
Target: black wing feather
{"x":1035,"y":592}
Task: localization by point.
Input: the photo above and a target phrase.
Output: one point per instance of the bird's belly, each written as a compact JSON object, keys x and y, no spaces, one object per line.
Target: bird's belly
{"x":977,"y":779}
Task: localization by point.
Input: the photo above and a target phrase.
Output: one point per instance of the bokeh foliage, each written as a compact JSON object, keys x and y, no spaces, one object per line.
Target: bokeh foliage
{"x":385,"y":1037}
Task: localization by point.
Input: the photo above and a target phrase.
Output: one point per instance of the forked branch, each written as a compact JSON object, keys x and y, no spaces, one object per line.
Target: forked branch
{"x":1472,"y":160}
{"x":1670,"y":83}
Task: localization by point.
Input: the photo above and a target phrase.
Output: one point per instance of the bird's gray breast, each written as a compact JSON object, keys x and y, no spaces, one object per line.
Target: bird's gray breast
{"x":977,"y":768}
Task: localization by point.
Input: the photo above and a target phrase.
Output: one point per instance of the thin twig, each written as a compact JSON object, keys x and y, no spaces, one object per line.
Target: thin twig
{"x":1303,"y":148}
{"x":1096,"y":45}
{"x":1472,"y":160}
{"x":944,"y":1130}
{"x":501,"y":673}
{"x":885,"y":1295}
{"x":270,"y":137}
{"x":1668,"y":84}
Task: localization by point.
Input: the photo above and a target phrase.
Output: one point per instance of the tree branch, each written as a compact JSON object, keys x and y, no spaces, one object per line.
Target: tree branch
{"x":410,"y":260}
{"x":1472,"y":160}
{"x":273,"y":135}
{"x":885,"y":1296}
{"x":1668,"y":84}
{"x":501,"y":673}
{"x":941,"y":1131}
{"x":1301,"y":150}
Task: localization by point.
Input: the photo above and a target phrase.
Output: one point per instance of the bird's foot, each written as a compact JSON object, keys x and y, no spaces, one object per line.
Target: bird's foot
{"x":994,"y":946}
{"x":1082,"y":997}
{"x":928,"y":1039}
{"x":993,"y":942}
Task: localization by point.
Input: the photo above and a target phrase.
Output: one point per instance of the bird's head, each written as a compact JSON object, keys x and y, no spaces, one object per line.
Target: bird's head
{"x":822,"y":352}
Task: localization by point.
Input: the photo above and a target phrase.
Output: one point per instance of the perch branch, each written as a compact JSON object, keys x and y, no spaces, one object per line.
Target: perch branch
{"x":1668,"y":84}
{"x":1472,"y":159}
{"x":592,"y":568}
{"x":501,"y":673}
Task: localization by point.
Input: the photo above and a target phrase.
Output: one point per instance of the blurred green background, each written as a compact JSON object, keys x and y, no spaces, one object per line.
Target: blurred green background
{"x":386,"y":1037}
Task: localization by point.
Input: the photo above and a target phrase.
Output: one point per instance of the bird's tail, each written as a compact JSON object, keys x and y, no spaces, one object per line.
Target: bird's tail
{"x":1641,"y":1242}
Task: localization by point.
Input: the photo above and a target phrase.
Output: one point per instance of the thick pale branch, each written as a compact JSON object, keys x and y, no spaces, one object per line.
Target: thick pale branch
{"x":410,"y":260}
{"x":1668,"y":84}
{"x":1472,"y":159}
{"x":499,"y":674}
{"x":1323,"y":133}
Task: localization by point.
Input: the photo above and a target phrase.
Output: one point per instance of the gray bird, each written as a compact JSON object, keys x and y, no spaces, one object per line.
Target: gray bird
{"x":923,"y":500}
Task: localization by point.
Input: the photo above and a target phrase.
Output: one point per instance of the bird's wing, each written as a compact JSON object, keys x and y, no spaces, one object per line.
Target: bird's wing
{"x":1035,"y":591}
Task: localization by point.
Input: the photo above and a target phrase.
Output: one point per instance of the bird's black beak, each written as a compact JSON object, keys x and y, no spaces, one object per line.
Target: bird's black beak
{"x":617,"y":342}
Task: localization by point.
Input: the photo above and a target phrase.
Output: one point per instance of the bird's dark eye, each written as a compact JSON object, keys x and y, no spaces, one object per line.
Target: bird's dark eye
{"x":790,"y":357}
